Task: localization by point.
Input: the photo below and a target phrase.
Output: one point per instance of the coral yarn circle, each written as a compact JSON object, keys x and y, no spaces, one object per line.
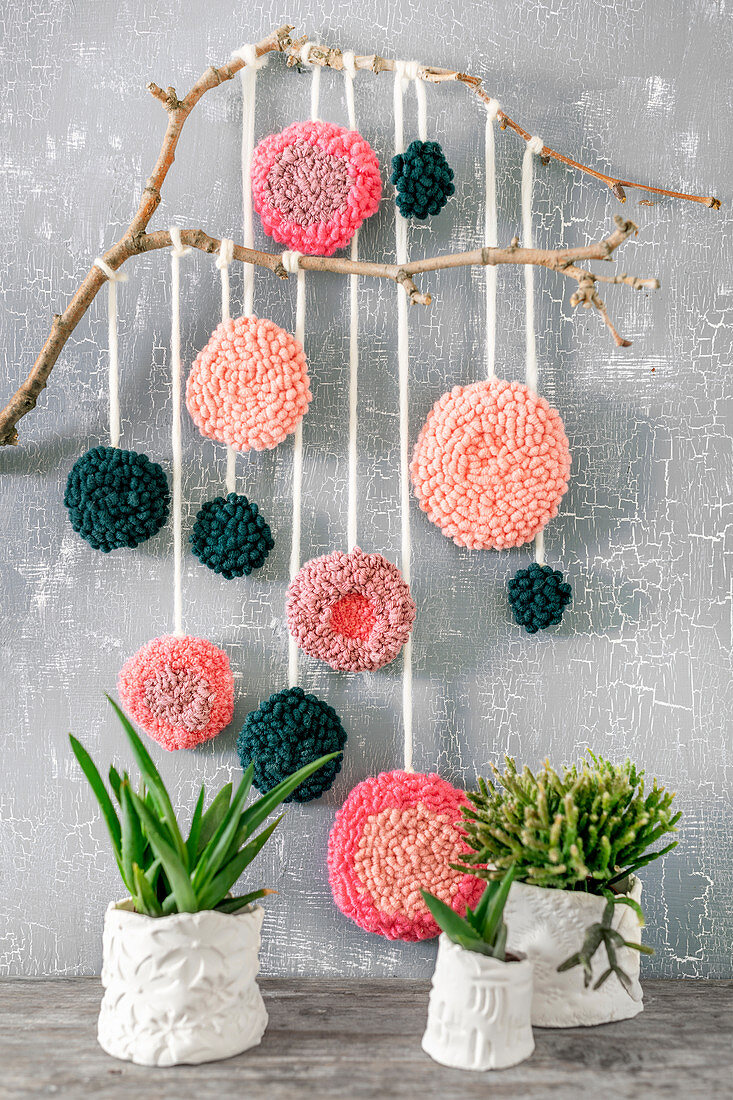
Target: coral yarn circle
{"x":249,"y":386}
{"x":180,"y":690}
{"x":491,"y":464}
{"x":354,"y":611}
{"x":313,"y":184}
{"x":398,"y":833}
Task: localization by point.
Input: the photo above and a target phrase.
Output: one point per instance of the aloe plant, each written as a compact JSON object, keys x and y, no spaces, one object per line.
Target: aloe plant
{"x":164,"y":873}
{"x":483,"y":929}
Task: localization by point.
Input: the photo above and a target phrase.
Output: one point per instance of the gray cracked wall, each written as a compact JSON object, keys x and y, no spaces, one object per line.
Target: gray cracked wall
{"x":639,"y":667}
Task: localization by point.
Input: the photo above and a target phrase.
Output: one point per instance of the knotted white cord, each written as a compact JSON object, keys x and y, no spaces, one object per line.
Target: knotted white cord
{"x":534,"y":148}
{"x":349,"y":64}
{"x":177,"y":253}
{"x":248,"y":75}
{"x":348,"y":60}
{"x":491,"y":237}
{"x":113,"y":278}
{"x":315,"y":80}
{"x":292,"y":266}
{"x":223,"y":260}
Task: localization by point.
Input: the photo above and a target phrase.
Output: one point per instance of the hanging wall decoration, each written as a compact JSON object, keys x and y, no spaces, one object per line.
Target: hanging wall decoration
{"x":115,"y":498}
{"x":179,"y":688}
{"x":423,"y":178}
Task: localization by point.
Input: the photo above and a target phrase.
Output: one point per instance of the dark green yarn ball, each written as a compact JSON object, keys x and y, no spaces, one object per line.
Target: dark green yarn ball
{"x":538,"y":597}
{"x":230,"y":536}
{"x":423,"y":178}
{"x":286,"y":732}
{"x":116,"y":498}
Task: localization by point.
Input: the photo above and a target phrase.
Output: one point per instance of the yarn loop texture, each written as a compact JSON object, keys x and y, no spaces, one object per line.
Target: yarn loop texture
{"x":230,"y":536}
{"x":491,"y":464}
{"x":396,"y":833}
{"x":538,"y":596}
{"x":180,"y":690}
{"x":423,"y":178}
{"x":249,"y":386}
{"x":354,"y":611}
{"x":286,"y":732}
{"x":116,"y":498}
{"x":313,"y":184}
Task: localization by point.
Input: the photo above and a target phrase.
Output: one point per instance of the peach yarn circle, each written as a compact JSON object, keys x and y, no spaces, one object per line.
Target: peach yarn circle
{"x":398,"y":833}
{"x":313,"y":184}
{"x":354,"y":611}
{"x":249,"y":386}
{"x":491,"y":464}
{"x":180,"y":690}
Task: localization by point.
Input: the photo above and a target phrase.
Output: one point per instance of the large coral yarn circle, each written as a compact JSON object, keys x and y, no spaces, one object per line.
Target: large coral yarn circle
{"x":180,"y":690}
{"x":354,"y":611}
{"x":398,"y":833}
{"x":313,"y":184}
{"x":249,"y":386}
{"x":491,"y":464}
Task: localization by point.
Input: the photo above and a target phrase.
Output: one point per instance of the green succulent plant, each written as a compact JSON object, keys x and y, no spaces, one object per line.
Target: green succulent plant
{"x":483,"y":929}
{"x":164,"y":873}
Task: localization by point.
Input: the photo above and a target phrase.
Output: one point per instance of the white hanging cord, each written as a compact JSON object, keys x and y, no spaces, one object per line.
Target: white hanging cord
{"x":248,"y":75}
{"x":113,"y":278}
{"x":349,"y":63}
{"x":223,"y":260}
{"x":292,"y":266}
{"x":348,"y":60}
{"x":534,"y":148}
{"x":176,"y":375}
{"x":315,"y":80}
{"x":491,"y":235}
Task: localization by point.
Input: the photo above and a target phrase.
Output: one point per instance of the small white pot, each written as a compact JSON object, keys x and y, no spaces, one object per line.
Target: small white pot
{"x":479,"y":1010}
{"x":549,"y":926}
{"x":180,"y":989}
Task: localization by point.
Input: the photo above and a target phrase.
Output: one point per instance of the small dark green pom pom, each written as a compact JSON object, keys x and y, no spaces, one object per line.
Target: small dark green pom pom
{"x":538,"y":596}
{"x":230,"y":536}
{"x":116,"y":498}
{"x":423,"y":178}
{"x":286,"y":732}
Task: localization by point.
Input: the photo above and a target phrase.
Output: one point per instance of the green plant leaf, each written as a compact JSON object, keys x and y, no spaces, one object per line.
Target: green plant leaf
{"x":215,"y":852}
{"x":231,"y":905}
{"x":114,"y":781}
{"x":192,"y":842}
{"x":622,"y":899}
{"x":255,"y":814}
{"x":455,"y":927}
{"x":109,"y":813}
{"x":144,"y":895}
{"x":174,"y":867}
{"x":213,"y":817}
{"x":494,"y":914}
{"x":640,"y":947}
{"x":133,"y":844}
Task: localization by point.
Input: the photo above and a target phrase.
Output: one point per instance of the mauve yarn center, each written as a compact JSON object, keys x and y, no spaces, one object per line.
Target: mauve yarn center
{"x":307,"y":184}
{"x":179,"y":697}
{"x":353,"y":616}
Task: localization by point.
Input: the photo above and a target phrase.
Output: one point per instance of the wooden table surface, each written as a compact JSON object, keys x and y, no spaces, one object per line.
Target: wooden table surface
{"x":353,"y":1039}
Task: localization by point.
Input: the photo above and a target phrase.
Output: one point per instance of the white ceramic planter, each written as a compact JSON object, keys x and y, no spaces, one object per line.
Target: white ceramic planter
{"x":550,"y":925}
{"x":180,"y":989}
{"x":479,"y":1010}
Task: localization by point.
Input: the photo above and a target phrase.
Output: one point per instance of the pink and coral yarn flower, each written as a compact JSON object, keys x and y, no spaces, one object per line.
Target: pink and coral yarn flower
{"x":249,"y":386}
{"x":313,"y":184}
{"x":491,"y":464}
{"x":180,"y":690}
{"x":398,"y":833}
{"x":354,"y":611}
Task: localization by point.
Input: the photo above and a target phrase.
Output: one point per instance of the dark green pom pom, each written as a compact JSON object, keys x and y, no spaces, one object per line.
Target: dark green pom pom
{"x":423,"y":178}
{"x":230,"y":536}
{"x":116,"y":498}
{"x":538,"y":596}
{"x":286,"y":732}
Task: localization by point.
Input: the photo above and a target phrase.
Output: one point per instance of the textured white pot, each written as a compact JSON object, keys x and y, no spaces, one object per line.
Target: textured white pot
{"x":180,"y":989}
{"x":479,"y":1010}
{"x":550,"y":925}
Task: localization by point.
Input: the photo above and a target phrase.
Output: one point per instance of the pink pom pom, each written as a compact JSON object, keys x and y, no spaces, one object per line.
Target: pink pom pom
{"x":398,"y":833}
{"x":180,"y":690}
{"x":491,"y":464}
{"x":353,"y":611}
{"x":249,"y":386}
{"x":313,"y":185}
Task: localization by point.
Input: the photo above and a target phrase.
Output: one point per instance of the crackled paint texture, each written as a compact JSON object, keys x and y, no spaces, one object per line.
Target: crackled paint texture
{"x":639,"y":665}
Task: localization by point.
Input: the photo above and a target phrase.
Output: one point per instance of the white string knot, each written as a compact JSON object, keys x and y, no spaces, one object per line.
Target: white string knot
{"x":112,"y":275}
{"x":177,"y":245}
{"x":249,"y":56}
{"x":535,"y":145}
{"x":348,"y":60}
{"x":225,"y":254}
{"x":303,"y":52}
{"x":290,"y":261}
{"x":492,"y":109}
{"x":405,"y":71}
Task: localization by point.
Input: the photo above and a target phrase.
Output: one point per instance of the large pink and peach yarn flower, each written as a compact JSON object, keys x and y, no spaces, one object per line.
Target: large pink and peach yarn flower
{"x":180,"y":690}
{"x":249,"y":386}
{"x":313,"y":184}
{"x":398,"y":833}
{"x":491,"y":464}
{"x":354,"y":611}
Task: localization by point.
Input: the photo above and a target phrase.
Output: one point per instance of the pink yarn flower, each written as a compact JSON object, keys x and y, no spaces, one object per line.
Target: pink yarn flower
{"x":353,"y":611}
{"x":491,"y":464}
{"x":398,"y":833}
{"x":249,"y":386}
{"x":180,"y":690}
{"x":313,"y":185}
